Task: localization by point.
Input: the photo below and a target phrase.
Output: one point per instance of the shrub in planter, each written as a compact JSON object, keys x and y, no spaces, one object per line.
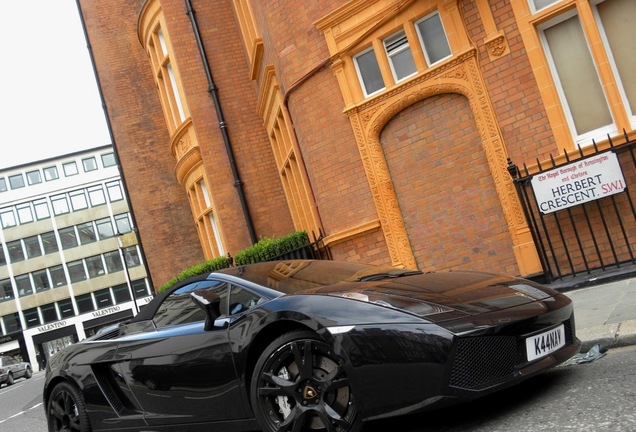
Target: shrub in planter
{"x":264,"y":250}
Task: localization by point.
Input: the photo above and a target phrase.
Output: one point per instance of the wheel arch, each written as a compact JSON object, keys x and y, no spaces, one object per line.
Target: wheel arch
{"x":52,"y":384}
{"x":266,"y":336}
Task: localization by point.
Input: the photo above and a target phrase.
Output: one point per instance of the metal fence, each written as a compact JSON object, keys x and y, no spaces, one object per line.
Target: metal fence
{"x":313,"y":250}
{"x":596,"y":235}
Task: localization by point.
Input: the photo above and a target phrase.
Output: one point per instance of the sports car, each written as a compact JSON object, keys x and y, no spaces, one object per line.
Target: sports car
{"x":308,"y":346}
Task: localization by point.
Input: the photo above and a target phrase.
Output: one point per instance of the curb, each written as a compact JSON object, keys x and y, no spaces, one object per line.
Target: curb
{"x":608,"y":335}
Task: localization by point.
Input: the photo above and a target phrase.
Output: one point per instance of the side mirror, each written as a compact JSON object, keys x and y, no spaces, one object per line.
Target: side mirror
{"x":211,"y":304}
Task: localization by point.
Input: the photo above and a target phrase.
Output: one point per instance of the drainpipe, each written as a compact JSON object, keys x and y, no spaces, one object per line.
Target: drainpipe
{"x":214,"y":91}
{"x":112,"y":140}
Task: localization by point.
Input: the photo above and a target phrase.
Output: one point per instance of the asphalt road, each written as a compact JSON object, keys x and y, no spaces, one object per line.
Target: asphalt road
{"x":21,"y":405}
{"x":597,"y":396}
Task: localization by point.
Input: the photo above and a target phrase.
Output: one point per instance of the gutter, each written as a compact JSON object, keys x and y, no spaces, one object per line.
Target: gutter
{"x":214,"y":91}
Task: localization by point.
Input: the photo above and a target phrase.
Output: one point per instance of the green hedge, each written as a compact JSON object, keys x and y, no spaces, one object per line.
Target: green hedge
{"x":265,"y":250}
{"x":268,"y":248}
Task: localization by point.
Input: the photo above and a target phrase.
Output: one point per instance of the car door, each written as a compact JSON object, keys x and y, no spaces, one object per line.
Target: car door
{"x":13,"y":366}
{"x":181,"y":373}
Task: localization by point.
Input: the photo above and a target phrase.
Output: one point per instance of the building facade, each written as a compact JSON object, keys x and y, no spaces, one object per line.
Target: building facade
{"x":388,"y":125}
{"x":70,"y":262}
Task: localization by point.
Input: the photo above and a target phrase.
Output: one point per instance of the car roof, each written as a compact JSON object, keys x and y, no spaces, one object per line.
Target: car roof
{"x":285,"y":276}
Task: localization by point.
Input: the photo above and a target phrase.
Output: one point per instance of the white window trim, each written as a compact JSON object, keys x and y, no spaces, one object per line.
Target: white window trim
{"x":534,"y":9}
{"x":404,"y":47}
{"x":359,"y":73}
{"x":586,"y":138}
{"x":419,"y":35}
{"x":612,"y":62}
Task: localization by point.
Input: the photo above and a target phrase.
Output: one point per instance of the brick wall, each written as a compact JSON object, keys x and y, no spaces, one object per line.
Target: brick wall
{"x":444,"y":187}
{"x":248,"y":139}
{"x":511,"y":86}
{"x":160,"y":206}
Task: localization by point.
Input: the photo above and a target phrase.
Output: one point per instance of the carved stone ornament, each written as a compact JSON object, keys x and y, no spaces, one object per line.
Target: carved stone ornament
{"x":497,"y":46}
{"x":368,"y":119}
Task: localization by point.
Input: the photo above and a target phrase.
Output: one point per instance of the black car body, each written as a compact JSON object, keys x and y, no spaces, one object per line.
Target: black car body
{"x":11,"y":369}
{"x":308,"y":345}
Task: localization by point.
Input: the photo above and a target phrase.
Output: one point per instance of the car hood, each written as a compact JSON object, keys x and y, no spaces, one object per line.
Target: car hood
{"x":445,"y":295}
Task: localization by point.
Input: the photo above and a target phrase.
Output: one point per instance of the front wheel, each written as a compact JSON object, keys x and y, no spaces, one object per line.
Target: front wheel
{"x":299,"y":385}
{"x":66,"y":411}
{"x":28,"y":373}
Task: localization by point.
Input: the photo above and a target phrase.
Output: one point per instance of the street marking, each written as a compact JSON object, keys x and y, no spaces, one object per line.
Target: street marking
{"x":21,"y":412}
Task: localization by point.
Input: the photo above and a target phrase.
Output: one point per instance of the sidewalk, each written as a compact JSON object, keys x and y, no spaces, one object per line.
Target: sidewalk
{"x":604,"y":308}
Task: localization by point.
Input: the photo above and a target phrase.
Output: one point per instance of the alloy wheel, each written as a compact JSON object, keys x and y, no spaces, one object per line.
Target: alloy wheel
{"x":301,"y":386}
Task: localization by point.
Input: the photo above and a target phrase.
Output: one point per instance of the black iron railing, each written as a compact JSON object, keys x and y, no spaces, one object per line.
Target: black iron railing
{"x":597,"y":234}
{"x":313,"y":250}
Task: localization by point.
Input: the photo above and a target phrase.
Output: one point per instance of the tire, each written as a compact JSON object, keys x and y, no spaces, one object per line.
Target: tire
{"x":28,"y":373}
{"x":10,"y":379}
{"x":299,"y":385}
{"x":66,"y":411}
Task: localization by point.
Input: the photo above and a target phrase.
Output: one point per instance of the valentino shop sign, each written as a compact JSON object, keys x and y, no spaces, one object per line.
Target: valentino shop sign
{"x":579,"y":182}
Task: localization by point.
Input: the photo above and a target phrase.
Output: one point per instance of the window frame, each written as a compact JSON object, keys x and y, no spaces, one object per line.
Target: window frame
{"x":50,"y":173}
{"x":31,"y":252}
{"x":33,"y":177}
{"x":60,"y":204}
{"x":422,"y":40}
{"x":54,"y":273}
{"x":105,"y":234}
{"x":584,"y":138}
{"x":6,"y":287}
{"x":24,"y":285}
{"x":89,"y":164}
{"x":400,"y":49}
{"x":8,"y":218}
{"x":84,"y":231}
{"x":24,"y":213}
{"x":16,"y":181}
{"x":96,"y":195}
{"x":13,"y":246}
{"x":114,"y":190}
{"x":38,"y":206}
{"x":108,"y":160}
{"x":359,"y":72}
{"x":78,"y":200}
{"x":630,"y":108}
{"x":75,"y":275}
{"x":70,"y":169}
{"x":46,"y":238}
{"x":534,"y":9}
{"x":63,"y":233}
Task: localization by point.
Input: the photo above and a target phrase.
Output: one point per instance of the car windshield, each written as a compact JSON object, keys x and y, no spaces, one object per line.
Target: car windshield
{"x":294,"y":276}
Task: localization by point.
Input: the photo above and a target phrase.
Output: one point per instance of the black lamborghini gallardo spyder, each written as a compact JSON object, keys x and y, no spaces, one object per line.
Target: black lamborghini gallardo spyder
{"x":308,"y":346}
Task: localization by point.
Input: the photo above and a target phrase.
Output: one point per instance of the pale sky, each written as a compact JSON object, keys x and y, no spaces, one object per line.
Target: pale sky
{"x":49,"y":101}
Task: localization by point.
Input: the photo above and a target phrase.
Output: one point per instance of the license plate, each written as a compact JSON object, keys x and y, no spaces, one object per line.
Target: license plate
{"x":545,"y":343}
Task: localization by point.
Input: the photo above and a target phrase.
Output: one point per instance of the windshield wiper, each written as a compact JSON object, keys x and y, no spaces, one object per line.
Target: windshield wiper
{"x":388,"y":275}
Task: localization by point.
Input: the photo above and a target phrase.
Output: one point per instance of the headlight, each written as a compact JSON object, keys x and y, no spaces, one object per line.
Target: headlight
{"x":532,"y":292}
{"x":406,"y":304}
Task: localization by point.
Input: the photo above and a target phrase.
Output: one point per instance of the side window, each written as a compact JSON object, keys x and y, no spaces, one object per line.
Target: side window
{"x":242,"y":299}
{"x":178,"y":308}
{"x":368,"y":71}
{"x":400,"y":56}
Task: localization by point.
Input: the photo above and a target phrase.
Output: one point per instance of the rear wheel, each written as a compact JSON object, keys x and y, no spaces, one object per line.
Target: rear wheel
{"x":66,"y":411}
{"x":10,"y":379}
{"x":298,"y":385}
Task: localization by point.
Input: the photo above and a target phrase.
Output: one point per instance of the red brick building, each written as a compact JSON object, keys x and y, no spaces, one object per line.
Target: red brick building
{"x":387,"y":125}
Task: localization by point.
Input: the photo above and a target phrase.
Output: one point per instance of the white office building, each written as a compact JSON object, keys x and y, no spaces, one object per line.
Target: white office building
{"x":70,"y":262}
